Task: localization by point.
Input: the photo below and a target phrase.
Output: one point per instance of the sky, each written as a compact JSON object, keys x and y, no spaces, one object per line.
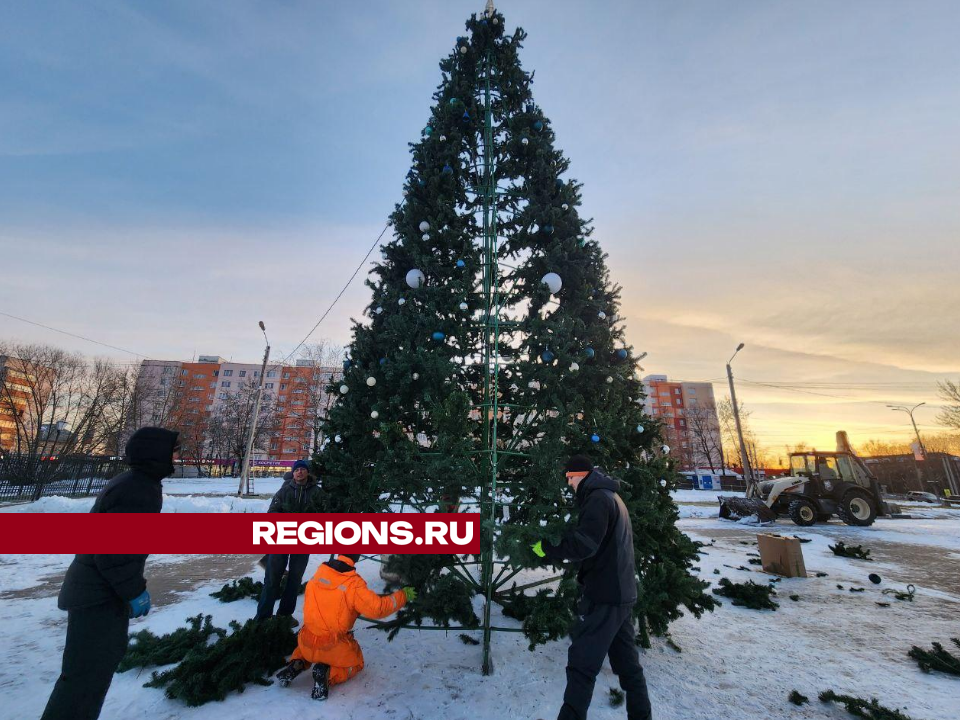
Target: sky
{"x":782,"y":174}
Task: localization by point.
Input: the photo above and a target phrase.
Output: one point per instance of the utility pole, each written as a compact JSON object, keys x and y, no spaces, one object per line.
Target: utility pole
{"x":245,"y":472}
{"x":744,"y":459}
{"x":923,"y":450}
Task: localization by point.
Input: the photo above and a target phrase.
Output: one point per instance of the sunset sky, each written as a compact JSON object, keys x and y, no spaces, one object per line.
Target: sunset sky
{"x":783,"y":174}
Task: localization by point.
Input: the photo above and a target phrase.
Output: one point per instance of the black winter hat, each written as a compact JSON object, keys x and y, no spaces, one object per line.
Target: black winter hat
{"x":579,"y":463}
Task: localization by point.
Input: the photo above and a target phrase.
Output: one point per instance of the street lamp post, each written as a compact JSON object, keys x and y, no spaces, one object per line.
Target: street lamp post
{"x":745,"y":461}
{"x":245,"y":472}
{"x":923,"y":450}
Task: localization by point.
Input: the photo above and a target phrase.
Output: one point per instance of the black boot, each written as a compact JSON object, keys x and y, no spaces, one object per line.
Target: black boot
{"x":321,"y":681}
{"x":288,"y":673}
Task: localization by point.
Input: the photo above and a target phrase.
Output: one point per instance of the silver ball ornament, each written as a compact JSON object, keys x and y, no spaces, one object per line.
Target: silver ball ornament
{"x":371,"y":381}
{"x":344,"y":389}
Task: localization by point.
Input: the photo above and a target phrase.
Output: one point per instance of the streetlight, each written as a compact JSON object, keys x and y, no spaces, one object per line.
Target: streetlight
{"x":909,"y":411}
{"x":745,"y":461}
{"x":245,"y":472}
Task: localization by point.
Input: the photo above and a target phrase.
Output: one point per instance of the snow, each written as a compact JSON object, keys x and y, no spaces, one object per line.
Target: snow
{"x":732,"y":658}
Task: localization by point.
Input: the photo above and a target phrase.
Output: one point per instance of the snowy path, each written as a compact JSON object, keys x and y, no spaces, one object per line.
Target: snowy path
{"x":735,"y":663}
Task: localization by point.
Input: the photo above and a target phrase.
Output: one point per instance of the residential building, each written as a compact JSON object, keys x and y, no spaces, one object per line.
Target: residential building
{"x":189,"y":394}
{"x":18,"y":385}
{"x":688,"y":412}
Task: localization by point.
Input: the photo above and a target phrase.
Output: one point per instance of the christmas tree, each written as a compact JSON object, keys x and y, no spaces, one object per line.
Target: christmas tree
{"x":492,"y":350}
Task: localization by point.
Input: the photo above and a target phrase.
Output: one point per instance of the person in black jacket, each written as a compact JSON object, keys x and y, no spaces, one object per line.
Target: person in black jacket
{"x":602,"y":543}
{"x":102,"y":592}
{"x":297,"y":494}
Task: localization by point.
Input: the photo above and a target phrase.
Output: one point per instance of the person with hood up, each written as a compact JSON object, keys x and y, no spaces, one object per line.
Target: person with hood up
{"x":297,"y":494}
{"x":336,"y":597}
{"x":602,"y":543}
{"x":102,"y":592}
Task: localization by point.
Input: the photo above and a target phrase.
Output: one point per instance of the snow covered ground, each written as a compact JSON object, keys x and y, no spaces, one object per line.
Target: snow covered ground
{"x":735,"y":663}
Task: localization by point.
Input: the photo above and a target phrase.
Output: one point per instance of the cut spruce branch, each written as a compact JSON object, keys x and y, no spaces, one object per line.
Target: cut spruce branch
{"x":247,"y":656}
{"x":939,"y":659}
{"x":858,"y":707}
{"x":851,"y":551}
{"x":616,"y":697}
{"x":748,"y":594}
{"x":149,"y":650}
{"x":797,"y":699}
{"x":245,"y":588}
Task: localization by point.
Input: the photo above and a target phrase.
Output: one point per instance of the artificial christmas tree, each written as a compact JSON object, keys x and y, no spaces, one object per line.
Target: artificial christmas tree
{"x":493,"y":349}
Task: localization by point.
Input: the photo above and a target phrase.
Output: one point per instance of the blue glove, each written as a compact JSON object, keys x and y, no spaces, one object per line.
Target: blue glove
{"x":140,"y":605}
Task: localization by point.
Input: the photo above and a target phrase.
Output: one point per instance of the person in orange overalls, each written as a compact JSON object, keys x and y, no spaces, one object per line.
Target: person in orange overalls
{"x":336,"y":596}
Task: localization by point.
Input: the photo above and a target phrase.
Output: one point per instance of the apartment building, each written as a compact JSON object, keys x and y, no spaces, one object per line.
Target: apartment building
{"x":189,"y":394}
{"x":688,"y":412}
{"x":18,"y":383}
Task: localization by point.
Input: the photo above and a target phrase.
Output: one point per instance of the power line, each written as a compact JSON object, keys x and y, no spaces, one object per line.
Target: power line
{"x":337,"y":298}
{"x":73,"y":335}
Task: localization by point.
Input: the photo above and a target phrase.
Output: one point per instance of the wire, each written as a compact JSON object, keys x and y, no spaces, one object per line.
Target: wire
{"x":73,"y":335}
{"x":339,"y":295}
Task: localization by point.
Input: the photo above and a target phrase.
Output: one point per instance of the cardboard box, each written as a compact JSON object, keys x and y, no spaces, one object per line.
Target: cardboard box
{"x":781,"y":555}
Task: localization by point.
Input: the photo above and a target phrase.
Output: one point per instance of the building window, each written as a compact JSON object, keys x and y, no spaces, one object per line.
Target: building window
{"x":227,"y":373}
{"x":197,"y":387}
{"x":283,"y":386}
{"x":168,"y":370}
{"x":272,"y":374}
{"x":222,"y":396}
{"x":216,"y":373}
{"x":269,"y":386}
{"x":298,"y":391}
{"x":199,"y":376}
{"x":161,"y":393}
{"x":183,"y":372}
{"x":163,"y":382}
{"x":243,"y":373}
{"x":225,"y":383}
{"x":692,"y":391}
{"x":676,"y":391}
{"x":683,"y":423}
{"x":286,"y":376}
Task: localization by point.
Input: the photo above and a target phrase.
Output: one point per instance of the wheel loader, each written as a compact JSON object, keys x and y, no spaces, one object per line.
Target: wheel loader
{"x":820,"y":485}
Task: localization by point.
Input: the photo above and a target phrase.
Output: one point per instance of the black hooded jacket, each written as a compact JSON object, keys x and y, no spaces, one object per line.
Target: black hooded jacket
{"x":293,"y":497}
{"x":96,"y":579}
{"x":602,"y":543}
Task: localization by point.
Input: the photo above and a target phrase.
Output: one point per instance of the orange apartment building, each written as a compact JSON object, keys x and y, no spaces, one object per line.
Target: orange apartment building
{"x":17,"y":385}
{"x":188,"y":394}
{"x":689,"y":415}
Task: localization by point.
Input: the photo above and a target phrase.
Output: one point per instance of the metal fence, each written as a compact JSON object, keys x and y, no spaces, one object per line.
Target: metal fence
{"x":30,"y":477}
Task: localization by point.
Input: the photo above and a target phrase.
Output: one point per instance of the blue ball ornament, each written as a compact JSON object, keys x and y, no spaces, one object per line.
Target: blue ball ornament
{"x":428,"y":131}
{"x":447,"y":170}
{"x":595,"y":438}
{"x":438,"y":336}
{"x":347,"y":364}
{"x":622,"y":354}
{"x":461,"y":264}
{"x":589,"y":352}
{"x":548,"y":229}
{"x":465,"y":117}
{"x":538,"y":126}
{"x":383,"y":361}
{"x":547,"y":356}
{"x":559,"y":183}
{"x":639,"y":428}
{"x":421,"y":182}
{"x":453,"y":101}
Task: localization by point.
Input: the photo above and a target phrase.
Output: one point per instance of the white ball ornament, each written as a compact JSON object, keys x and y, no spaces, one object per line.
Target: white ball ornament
{"x":415,"y":278}
{"x":401,"y":301}
{"x":525,"y":141}
{"x":344,"y":389}
{"x":378,"y":310}
{"x":424,"y":226}
{"x":443,"y":138}
{"x":371,"y":381}
{"x":639,"y":428}
{"x":665,"y":449}
{"x":602,"y":315}
{"x":574,"y":367}
{"x":565,"y":206}
{"x":463,"y":49}
{"x":496,"y":21}
{"x":425,"y":237}
{"x":374,"y":414}
{"x":416,"y":376}
{"x":663,"y":483}
{"x":338,"y":439}
{"x":463,"y":306}
{"x":552,"y":281}
{"x":609,"y":379}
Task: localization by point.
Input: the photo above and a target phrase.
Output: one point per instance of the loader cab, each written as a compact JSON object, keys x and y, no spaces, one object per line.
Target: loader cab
{"x":828,"y":470}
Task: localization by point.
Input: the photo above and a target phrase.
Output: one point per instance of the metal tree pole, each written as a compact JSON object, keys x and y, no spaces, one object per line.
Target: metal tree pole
{"x":245,"y":472}
{"x":491,"y":355}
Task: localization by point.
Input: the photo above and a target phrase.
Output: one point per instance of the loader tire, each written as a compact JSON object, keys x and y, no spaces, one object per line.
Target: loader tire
{"x":802,"y":512}
{"x":856,"y":508}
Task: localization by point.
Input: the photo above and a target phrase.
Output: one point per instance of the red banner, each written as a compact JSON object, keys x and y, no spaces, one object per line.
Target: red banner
{"x":240,"y":533}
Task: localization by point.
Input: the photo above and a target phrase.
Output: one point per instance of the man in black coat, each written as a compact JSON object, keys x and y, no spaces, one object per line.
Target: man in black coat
{"x":602,"y":543}
{"x":297,"y":494}
{"x":102,"y":592}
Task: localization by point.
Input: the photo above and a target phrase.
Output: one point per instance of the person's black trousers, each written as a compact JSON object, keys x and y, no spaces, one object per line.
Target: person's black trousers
{"x":602,"y":631}
{"x":96,"y":643}
{"x":276,"y":564}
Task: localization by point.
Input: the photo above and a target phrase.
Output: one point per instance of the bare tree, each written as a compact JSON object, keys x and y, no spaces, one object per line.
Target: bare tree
{"x":53,"y":404}
{"x":950,"y":414}
{"x":229,"y":427}
{"x":704,"y":430}
{"x":325,"y":361}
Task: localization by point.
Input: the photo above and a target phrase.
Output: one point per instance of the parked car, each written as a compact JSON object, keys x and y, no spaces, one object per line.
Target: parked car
{"x":926,"y":497}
